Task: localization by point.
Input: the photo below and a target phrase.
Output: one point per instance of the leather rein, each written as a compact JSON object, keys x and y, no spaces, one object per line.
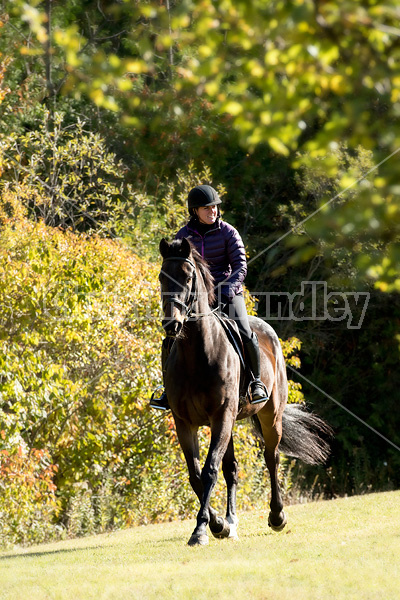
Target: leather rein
{"x":192,"y":295}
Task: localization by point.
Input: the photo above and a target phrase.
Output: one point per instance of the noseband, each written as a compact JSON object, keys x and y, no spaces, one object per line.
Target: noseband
{"x":192,"y":293}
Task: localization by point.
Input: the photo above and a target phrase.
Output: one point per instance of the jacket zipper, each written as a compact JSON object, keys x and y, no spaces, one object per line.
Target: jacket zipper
{"x":202,"y":238}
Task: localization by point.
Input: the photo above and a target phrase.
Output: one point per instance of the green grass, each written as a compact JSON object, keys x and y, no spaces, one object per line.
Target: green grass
{"x":341,"y":549}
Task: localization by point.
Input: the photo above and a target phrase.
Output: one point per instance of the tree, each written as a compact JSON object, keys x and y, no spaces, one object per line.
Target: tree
{"x":304,"y":75}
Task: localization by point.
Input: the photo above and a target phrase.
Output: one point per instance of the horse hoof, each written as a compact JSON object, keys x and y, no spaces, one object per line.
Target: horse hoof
{"x":233,"y":522}
{"x":225,"y":531}
{"x":279,"y":527}
{"x":198,"y":540}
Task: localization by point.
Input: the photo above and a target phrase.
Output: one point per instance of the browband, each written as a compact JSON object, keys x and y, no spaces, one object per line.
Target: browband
{"x":181,"y":259}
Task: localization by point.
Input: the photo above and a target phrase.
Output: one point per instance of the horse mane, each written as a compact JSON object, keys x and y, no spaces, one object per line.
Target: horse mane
{"x":201,"y":264}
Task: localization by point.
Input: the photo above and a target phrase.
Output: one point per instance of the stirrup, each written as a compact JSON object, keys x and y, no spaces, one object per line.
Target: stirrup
{"x":161,"y":401}
{"x":260,"y":398}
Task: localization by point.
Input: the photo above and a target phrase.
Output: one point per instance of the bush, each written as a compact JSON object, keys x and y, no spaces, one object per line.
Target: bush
{"x":65,"y":175}
{"x":79,"y":340}
{"x":28,"y":504}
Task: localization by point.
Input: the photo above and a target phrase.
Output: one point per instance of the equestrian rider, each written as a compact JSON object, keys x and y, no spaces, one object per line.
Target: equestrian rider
{"x":222,"y":247}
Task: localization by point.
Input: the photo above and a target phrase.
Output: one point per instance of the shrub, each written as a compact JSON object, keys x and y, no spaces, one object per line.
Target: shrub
{"x":78,"y":339}
{"x":28,"y":504}
{"x":65,"y":175}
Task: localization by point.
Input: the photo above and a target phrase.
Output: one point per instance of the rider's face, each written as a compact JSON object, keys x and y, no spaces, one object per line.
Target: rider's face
{"x":207,"y":214}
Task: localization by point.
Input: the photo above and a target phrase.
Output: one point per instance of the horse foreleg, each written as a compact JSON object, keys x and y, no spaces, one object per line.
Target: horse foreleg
{"x":221,"y":431}
{"x":224,"y":528}
{"x":230,"y":471}
{"x":189,"y":443}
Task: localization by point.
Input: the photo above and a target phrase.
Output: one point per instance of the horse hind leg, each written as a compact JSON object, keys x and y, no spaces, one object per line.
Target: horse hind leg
{"x":277,"y":518}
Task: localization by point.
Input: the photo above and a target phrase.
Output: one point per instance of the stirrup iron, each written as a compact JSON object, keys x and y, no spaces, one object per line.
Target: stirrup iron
{"x":155,"y":401}
{"x":257,"y":400}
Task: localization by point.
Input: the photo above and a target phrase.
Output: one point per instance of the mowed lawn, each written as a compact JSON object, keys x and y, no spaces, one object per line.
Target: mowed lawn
{"x":341,"y":549}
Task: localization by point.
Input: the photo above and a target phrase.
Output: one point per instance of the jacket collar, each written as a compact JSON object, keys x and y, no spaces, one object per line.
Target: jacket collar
{"x":192,"y":225}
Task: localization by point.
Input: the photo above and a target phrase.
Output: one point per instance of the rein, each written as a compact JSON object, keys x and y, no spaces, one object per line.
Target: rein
{"x":199,"y":315}
{"x":192,"y":295}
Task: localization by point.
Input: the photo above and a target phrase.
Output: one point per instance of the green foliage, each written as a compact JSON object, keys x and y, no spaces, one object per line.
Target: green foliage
{"x":289,"y":347}
{"x":366,"y":360}
{"x":11,"y":208}
{"x":352,"y":237}
{"x":79,"y":331}
{"x":4,"y":90}
{"x":352,"y":365}
{"x":64,"y":175}
{"x":28,"y":504}
{"x":292,"y":76}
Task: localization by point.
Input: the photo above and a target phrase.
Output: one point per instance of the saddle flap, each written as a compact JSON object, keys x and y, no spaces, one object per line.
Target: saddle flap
{"x":232,"y":331}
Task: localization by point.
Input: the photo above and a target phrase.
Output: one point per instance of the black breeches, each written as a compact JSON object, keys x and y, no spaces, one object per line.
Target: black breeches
{"x":236,"y":310}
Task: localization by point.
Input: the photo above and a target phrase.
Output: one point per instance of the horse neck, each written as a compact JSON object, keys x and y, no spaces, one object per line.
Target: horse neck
{"x":201,"y":305}
{"x":202,"y":326}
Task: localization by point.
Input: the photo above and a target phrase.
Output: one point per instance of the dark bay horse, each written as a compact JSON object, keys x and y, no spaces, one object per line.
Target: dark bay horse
{"x":203,"y":377}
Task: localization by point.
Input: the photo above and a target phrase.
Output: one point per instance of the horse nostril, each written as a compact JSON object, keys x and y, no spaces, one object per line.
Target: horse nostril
{"x":166,"y":323}
{"x":171,"y":326}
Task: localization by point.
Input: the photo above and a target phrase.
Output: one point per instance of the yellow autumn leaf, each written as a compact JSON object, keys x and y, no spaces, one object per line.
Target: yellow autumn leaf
{"x":136,"y":66}
{"x":278,"y":146}
{"x":232,"y":107}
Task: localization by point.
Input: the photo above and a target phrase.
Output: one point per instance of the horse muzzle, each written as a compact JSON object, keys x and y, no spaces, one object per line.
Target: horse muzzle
{"x":172,"y":327}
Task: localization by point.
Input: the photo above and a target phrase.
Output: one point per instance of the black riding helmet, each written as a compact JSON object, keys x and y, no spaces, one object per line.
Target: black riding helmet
{"x":202,"y":195}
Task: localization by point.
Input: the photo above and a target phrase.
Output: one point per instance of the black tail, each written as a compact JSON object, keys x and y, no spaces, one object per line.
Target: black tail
{"x":304,"y":435}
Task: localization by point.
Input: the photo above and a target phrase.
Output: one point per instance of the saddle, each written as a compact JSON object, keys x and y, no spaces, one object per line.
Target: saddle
{"x":232,"y":332}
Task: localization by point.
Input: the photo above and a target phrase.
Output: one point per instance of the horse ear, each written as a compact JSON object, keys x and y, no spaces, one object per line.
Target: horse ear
{"x":185,"y":248}
{"x":164,"y":246}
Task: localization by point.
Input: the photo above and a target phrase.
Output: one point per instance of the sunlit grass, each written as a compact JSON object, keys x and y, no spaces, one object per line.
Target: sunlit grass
{"x":342,"y":549}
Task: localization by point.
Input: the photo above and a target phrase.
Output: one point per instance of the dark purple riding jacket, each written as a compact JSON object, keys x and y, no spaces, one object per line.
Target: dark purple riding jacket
{"x":223,"y":249}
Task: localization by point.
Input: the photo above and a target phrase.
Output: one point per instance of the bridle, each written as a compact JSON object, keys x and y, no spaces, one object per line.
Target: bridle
{"x":191,"y":296}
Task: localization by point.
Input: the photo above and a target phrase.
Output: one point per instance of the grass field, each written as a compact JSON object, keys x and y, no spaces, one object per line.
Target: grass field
{"x":341,"y":549}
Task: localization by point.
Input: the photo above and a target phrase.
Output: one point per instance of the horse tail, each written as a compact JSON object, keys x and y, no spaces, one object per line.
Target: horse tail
{"x":304,"y":435}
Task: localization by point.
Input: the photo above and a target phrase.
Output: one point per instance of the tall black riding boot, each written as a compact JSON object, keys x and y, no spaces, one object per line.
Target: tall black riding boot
{"x":258,"y":391}
{"x":160,"y":400}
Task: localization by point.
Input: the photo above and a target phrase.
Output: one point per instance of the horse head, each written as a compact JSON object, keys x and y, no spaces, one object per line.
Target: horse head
{"x":178,"y":284}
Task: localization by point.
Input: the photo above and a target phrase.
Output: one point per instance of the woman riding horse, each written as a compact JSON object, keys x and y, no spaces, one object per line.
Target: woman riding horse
{"x":203,"y":378}
{"x":222,"y":247}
